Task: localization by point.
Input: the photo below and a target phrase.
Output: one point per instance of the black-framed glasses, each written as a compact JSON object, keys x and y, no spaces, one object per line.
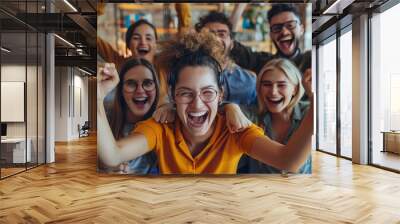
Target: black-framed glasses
{"x":290,"y":25}
{"x":187,"y":96}
{"x":131,"y":85}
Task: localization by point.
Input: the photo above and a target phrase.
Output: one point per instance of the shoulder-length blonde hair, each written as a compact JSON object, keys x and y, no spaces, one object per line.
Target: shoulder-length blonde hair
{"x":291,"y":72}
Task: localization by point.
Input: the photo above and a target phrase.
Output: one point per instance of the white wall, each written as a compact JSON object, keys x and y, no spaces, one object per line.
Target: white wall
{"x":81,"y":104}
{"x":33,"y":126}
{"x":16,"y":73}
{"x":71,"y":94}
{"x":61,"y":104}
{"x":11,"y":73}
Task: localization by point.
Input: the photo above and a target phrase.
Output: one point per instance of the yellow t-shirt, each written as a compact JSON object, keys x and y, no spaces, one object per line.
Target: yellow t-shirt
{"x":220,"y":156}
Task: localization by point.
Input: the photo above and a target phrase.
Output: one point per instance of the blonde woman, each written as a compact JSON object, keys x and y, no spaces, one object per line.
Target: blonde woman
{"x":280,"y":111}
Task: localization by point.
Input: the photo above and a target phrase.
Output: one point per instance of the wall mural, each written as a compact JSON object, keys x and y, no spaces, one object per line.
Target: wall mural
{"x":195,"y":88}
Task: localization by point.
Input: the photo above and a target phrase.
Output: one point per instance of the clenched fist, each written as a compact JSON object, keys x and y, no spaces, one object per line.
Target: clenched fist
{"x":107,"y":80}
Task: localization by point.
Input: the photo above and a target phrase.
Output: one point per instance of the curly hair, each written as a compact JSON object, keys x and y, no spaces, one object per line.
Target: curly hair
{"x":191,"y":49}
{"x":214,"y":17}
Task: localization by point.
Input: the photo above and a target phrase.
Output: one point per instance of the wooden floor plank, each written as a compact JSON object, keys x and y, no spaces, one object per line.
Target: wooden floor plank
{"x":71,"y":191}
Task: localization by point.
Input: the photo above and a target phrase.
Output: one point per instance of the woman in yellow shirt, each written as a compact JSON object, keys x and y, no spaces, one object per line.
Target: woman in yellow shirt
{"x":198,"y":141}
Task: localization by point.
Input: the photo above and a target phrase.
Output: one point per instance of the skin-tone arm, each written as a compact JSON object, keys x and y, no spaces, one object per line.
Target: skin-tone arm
{"x":288,"y":157}
{"x":165,"y":113}
{"x":236,"y":120}
{"x":111,"y":151}
{"x":236,"y":14}
{"x":108,"y":53}
{"x":183,"y":11}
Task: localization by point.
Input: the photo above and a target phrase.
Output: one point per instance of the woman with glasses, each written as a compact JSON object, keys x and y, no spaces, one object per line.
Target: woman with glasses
{"x":198,"y":141}
{"x":280,"y":111}
{"x":135,"y":100}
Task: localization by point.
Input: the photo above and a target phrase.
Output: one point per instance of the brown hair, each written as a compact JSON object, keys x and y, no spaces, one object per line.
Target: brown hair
{"x":120,"y":109}
{"x":191,"y":49}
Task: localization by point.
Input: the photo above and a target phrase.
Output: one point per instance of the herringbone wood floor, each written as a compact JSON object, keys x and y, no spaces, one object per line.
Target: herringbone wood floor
{"x":70,"y":191}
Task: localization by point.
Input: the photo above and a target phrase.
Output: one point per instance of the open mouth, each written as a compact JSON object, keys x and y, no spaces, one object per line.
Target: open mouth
{"x":286,"y":43}
{"x":197,"y":119}
{"x":143,"y":51}
{"x":275,"y":101}
{"x":140,"y":101}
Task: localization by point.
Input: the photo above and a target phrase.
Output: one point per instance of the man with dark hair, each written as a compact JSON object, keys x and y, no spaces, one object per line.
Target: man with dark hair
{"x":220,"y":25}
{"x":239,"y":84}
{"x":286,"y":31}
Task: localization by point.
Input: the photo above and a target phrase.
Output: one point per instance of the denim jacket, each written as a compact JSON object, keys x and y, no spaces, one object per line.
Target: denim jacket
{"x":249,"y":165}
{"x":239,"y":86}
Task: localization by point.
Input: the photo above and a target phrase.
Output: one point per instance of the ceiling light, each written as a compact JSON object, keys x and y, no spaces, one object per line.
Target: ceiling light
{"x":337,"y":7}
{"x":84,"y":71}
{"x":65,"y":41}
{"x":5,"y":50}
{"x":79,"y":51}
{"x":71,"y":6}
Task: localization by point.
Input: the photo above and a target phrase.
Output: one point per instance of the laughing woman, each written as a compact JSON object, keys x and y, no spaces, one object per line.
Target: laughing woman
{"x":280,"y":111}
{"x":135,"y":100}
{"x":141,"y":39}
{"x":197,"y":142}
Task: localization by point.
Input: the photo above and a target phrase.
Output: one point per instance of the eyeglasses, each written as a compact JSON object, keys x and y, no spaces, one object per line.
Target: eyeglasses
{"x":131,"y":85}
{"x":187,"y":96}
{"x":223,"y":34}
{"x":290,"y":25}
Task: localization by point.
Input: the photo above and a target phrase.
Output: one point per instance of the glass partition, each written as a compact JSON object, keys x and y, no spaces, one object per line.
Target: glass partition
{"x":346,"y":94}
{"x":385,"y":89}
{"x":327,"y":96}
{"x":22,"y":89}
{"x":41,"y":96}
{"x":31,"y":98}
{"x":14,"y":152}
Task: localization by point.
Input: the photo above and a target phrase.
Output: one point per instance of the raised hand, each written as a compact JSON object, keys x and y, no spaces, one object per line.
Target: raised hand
{"x":165,"y":113}
{"x":107,"y":80}
{"x":236,"y":121}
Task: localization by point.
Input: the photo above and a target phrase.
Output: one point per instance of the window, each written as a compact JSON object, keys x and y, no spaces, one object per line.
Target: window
{"x":346,"y":94}
{"x":385,"y":84}
{"x":327,"y":96}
